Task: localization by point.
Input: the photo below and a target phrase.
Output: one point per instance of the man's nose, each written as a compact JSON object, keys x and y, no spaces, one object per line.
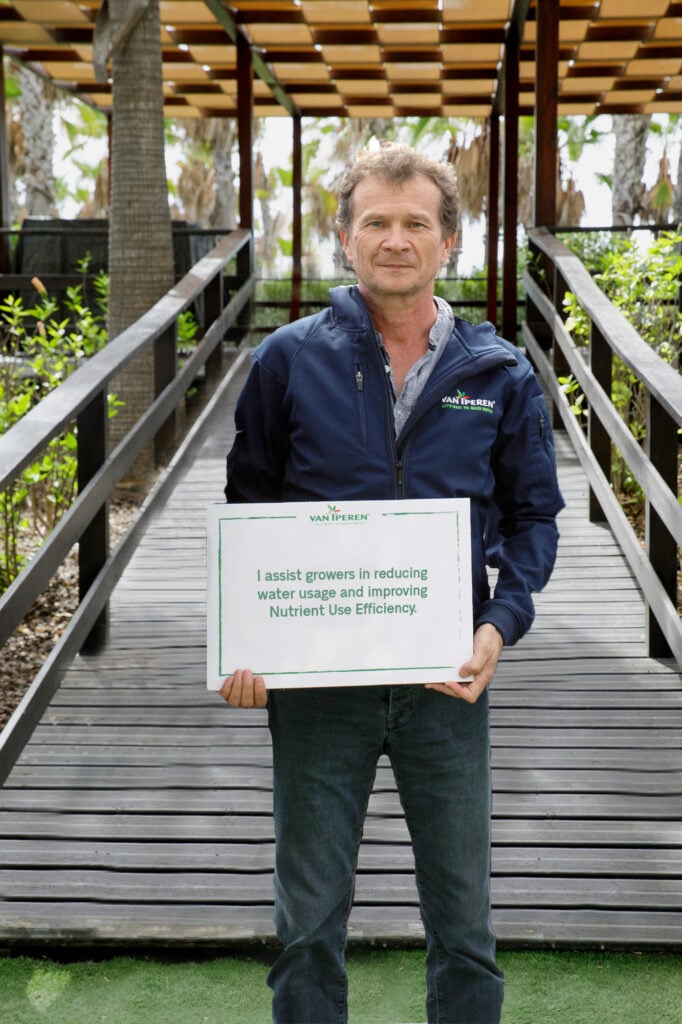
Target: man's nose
{"x":395,"y":237}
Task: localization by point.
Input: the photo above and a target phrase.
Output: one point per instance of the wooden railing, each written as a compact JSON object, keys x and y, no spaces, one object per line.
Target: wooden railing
{"x":554,"y":270}
{"x":82,"y":399}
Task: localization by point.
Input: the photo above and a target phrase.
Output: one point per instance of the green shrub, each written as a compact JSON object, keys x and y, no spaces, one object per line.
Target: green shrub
{"x":645,"y":286}
{"x":40,"y":346}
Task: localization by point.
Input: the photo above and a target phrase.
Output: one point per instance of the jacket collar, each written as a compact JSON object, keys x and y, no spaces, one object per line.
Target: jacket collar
{"x":478,"y":343}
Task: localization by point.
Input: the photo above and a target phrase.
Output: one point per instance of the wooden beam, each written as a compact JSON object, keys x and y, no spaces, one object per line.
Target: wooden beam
{"x":245,"y":133}
{"x":493,"y":216}
{"x":511,"y":180}
{"x":506,"y":101}
{"x":5,"y":217}
{"x":245,"y":259}
{"x":297,"y":232}
{"x":225,"y":18}
{"x":546,"y":93}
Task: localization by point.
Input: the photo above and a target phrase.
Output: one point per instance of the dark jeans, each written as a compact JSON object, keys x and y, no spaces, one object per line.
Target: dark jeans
{"x":326,"y":743}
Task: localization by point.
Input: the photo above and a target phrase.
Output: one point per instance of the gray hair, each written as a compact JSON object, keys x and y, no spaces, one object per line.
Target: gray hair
{"x":397,"y":164}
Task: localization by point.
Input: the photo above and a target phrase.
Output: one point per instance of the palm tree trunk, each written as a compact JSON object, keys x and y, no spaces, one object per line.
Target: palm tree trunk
{"x":38,"y":135}
{"x":677,"y":194}
{"x":140,"y":238}
{"x":223,"y":141}
{"x":631,"y":131}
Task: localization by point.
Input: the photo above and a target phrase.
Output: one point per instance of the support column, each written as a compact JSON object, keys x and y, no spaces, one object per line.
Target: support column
{"x":546,"y":103}
{"x":297,"y":232}
{"x":245,"y":134}
{"x":493,"y":216}
{"x":245,"y":257}
{"x":511,"y":182}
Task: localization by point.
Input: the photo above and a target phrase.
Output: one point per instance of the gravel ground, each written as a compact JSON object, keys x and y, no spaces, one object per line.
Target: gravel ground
{"x":32,"y":641}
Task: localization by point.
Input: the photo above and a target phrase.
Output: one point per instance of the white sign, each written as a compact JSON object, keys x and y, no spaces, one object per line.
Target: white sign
{"x":319,"y":594}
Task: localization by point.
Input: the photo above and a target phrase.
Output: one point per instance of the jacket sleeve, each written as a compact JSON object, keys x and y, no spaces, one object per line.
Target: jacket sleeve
{"x":522,"y":534}
{"x":256,"y":462}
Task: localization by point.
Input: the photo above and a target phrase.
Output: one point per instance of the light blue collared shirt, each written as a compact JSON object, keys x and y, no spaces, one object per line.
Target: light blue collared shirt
{"x":418,"y":374}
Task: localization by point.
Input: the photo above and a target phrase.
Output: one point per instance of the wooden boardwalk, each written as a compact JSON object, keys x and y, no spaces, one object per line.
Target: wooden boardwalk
{"x":139,"y":812}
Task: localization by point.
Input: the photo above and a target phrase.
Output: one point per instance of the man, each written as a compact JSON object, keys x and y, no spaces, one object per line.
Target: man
{"x":386,"y":395}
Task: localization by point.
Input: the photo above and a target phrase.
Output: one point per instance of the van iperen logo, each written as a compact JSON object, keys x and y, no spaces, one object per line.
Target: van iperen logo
{"x":335,"y":515}
{"x":462,"y":402}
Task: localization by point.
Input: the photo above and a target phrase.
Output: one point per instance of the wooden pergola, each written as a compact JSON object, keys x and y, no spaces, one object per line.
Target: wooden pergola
{"x":132,"y":812}
{"x":490,"y":59}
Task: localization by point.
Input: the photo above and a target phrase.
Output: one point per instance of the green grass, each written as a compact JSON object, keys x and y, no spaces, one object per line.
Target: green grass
{"x":386,"y":987}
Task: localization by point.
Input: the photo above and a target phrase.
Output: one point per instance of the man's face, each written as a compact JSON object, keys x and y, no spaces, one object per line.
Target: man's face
{"x":395,"y":243}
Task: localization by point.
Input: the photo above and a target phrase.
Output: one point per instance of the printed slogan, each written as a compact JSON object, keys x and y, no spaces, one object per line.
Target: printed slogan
{"x":367,"y":598}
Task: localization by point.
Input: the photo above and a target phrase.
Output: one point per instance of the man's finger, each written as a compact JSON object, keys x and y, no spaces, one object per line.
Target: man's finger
{"x":244,"y":690}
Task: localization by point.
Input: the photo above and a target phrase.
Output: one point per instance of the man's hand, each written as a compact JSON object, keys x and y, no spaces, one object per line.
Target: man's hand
{"x":244,"y":690}
{"x":488,"y":646}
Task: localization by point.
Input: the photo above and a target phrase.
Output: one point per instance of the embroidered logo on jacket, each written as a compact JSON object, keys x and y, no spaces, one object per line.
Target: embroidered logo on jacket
{"x":462,"y":402}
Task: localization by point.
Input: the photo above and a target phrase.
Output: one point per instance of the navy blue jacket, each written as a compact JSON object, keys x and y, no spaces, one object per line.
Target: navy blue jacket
{"x":315,"y":422}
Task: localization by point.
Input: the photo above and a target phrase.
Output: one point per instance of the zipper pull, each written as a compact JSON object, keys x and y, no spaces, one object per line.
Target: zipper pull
{"x":359,"y":379}
{"x":399,"y":472}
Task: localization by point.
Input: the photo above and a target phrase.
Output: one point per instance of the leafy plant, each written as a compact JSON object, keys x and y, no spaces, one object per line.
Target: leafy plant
{"x":188,"y":330}
{"x":40,"y":346}
{"x":644,"y":285}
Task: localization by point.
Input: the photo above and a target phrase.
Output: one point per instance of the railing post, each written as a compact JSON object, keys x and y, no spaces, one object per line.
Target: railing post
{"x":537,"y":268}
{"x":213,"y":307}
{"x":661,"y":445}
{"x":559,"y":362}
{"x":165,"y":369}
{"x":92,"y":428}
{"x":601,"y":364}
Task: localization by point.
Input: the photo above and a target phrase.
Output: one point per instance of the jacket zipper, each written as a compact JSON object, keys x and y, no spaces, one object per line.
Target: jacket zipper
{"x":399,"y":478}
{"x":362,"y":412}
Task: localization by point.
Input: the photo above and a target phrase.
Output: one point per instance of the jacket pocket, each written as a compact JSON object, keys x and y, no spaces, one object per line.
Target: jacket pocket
{"x":545,"y":458}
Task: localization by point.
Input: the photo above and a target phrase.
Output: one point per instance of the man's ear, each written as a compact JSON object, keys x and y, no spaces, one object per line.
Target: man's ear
{"x":448,"y":246}
{"x":343,"y":237}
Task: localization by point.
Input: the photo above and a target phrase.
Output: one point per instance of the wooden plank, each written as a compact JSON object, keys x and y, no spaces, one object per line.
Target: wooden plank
{"x":666,"y":720}
{"x":180,"y":696}
{"x":190,"y":685}
{"x":655,"y":762}
{"x":606,"y":862}
{"x":254,"y":801}
{"x":374,"y":889}
{"x":518,"y":737}
{"x":588,"y":928}
{"x":259,"y":775}
{"x":238,"y":827}
{"x":77,"y":923}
